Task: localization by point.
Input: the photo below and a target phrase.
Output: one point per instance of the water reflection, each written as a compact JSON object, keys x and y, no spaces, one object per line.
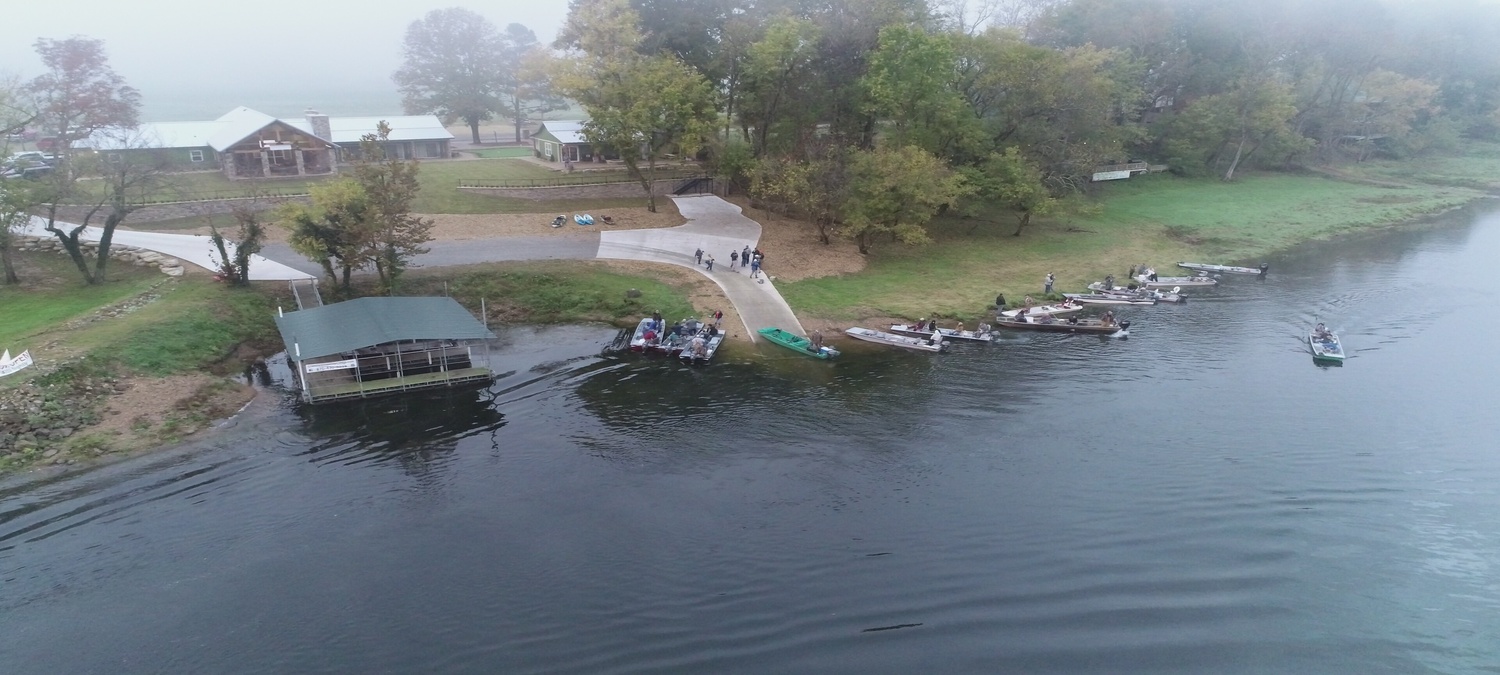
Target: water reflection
{"x":415,"y":430}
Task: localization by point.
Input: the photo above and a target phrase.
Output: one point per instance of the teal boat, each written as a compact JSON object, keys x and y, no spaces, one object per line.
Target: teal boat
{"x":797,"y":343}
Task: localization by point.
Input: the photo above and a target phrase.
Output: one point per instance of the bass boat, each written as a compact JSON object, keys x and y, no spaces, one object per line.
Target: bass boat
{"x":916,"y":344}
{"x":1325,"y":345}
{"x":1225,"y":269}
{"x":1146,"y":281}
{"x":1067,"y":307}
{"x":1173,"y":295}
{"x":984,"y":334}
{"x":1109,"y":299}
{"x":1048,"y":324}
{"x":702,"y":347}
{"x":797,"y":343}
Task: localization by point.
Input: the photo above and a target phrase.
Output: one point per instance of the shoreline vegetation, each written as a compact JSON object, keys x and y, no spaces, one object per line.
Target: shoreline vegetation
{"x":145,"y":361}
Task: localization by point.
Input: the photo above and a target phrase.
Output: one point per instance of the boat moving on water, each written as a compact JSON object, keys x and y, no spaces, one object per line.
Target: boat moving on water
{"x":1325,"y":344}
{"x":917,"y":344}
{"x":1146,"y":280}
{"x":797,"y":343}
{"x":1226,"y":269}
{"x":1174,"y":295}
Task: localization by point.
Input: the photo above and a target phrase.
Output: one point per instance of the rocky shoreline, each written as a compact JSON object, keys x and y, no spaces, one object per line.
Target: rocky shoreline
{"x":40,"y":418}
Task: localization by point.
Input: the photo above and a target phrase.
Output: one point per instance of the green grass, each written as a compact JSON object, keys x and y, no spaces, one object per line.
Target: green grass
{"x":197,"y":324}
{"x":500,"y":153}
{"x":552,"y":292}
{"x":439,"y":193}
{"x":54,"y":293}
{"x":1157,"y":220}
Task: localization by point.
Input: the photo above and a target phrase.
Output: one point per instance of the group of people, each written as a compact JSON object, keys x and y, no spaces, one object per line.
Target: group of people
{"x":656,"y":332}
{"x":747,"y":258}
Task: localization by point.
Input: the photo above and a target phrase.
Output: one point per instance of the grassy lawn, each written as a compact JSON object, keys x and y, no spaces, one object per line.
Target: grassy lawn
{"x":193,"y":324}
{"x":439,"y":194}
{"x":53,"y":292}
{"x":499,"y":153}
{"x":1157,"y":220}
{"x":552,"y":291}
{"x":1478,"y":166}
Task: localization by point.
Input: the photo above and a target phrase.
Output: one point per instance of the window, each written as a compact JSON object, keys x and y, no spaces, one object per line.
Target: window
{"x":195,"y":155}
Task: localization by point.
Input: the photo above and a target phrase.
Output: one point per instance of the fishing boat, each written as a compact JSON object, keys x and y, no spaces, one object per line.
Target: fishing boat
{"x":706,"y":353}
{"x":902,"y":341}
{"x":646,"y":335}
{"x":1049,"y":324}
{"x":1160,"y":295}
{"x":797,"y":343}
{"x":1325,"y":345}
{"x":1109,"y":299}
{"x":984,"y":334}
{"x":1225,"y":269}
{"x":1067,"y":307}
{"x":677,"y":337}
{"x":1201,"y":281}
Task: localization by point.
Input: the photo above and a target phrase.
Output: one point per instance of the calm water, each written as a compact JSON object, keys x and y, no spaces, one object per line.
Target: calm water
{"x":1198,"y":498}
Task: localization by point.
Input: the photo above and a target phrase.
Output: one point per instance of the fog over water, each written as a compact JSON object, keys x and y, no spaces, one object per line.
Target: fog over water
{"x":196,"y":60}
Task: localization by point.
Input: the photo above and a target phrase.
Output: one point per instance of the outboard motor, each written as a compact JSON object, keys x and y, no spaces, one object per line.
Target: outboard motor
{"x":1263,"y":269}
{"x":1124,"y":325}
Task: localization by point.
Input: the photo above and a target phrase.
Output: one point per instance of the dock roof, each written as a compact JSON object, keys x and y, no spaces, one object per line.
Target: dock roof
{"x":365,"y":322}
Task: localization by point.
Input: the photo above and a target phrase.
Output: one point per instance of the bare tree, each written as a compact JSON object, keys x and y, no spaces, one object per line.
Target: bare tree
{"x":77,"y":96}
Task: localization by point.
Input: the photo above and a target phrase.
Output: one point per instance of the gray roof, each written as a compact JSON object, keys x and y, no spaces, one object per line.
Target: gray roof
{"x":567,"y":132}
{"x":403,"y":128}
{"x":351,"y":325}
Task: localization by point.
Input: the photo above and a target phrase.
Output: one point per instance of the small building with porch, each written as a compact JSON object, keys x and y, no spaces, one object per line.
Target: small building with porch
{"x":384,"y":345}
{"x":562,"y":140}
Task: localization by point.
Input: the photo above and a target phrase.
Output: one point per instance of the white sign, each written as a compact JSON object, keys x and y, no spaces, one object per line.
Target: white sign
{"x":10,"y":365}
{"x":1111,"y":175}
{"x":331,"y":365}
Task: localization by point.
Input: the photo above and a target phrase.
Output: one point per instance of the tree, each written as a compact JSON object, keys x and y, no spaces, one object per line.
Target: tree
{"x":910,"y":86}
{"x":334,"y":230}
{"x":896,"y":192}
{"x":1007,"y":179}
{"x":525,"y":87}
{"x":362,"y":221}
{"x":1220,"y":131}
{"x":454,"y":65}
{"x":15,"y":211}
{"x":79,"y":96}
{"x":250,"y":235}
{"x":776,"y":81}
{"x":390,"y":185}
{"x":640,"y":106}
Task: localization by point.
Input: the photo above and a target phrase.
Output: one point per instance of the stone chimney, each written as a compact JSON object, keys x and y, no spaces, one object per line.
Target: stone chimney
{"x":319,"y":123}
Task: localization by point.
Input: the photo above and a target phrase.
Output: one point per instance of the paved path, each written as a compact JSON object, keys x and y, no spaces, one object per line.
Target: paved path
{"x":717,"y":227}
{"x":714,"y":225}
{"x":189,"y":248}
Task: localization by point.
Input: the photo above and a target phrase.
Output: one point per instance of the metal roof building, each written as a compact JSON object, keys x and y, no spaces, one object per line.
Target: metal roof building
{"x":375,"y":346}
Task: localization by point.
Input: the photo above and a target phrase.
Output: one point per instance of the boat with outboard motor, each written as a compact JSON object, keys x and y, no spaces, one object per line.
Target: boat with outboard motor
{"x":797,"y":343}
{"x":1199,"y":281}
{"x":1064,"y":307}
{"x":647,"y":334}
{"x":1325,"y":344}
{"x":880,"y":337}
{"x":984,"y":334}
{"x":1073,"y":324}
{"x":1173,"y":295}
{"x":1109,"y":299}
{"x":701,"y":347}
{"x":1226,"y":269}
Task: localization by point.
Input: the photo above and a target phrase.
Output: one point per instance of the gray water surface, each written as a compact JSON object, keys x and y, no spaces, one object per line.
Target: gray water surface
{"x":1200,"y":497}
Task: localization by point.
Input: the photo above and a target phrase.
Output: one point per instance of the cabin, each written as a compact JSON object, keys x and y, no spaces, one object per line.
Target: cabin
{"x":384,"y":345}
{"x":562,"y":141}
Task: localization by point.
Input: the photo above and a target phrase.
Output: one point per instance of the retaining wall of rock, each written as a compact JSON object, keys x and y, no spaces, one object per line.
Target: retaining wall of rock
{"x":127,"y":254}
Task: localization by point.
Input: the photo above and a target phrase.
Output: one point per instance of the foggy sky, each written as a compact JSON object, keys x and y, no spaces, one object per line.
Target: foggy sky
{"x":192,"y":57}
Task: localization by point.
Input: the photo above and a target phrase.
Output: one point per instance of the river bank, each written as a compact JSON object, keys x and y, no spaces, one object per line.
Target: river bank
{"x":143,"y":361}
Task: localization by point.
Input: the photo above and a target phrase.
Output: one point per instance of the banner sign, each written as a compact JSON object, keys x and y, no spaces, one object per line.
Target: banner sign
{"x":331,"y":365}
{"x":1111,"y":175}
{"x":10,"y":365}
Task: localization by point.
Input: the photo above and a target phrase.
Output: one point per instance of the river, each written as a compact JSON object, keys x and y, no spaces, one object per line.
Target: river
{"x":1200,"y":497}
